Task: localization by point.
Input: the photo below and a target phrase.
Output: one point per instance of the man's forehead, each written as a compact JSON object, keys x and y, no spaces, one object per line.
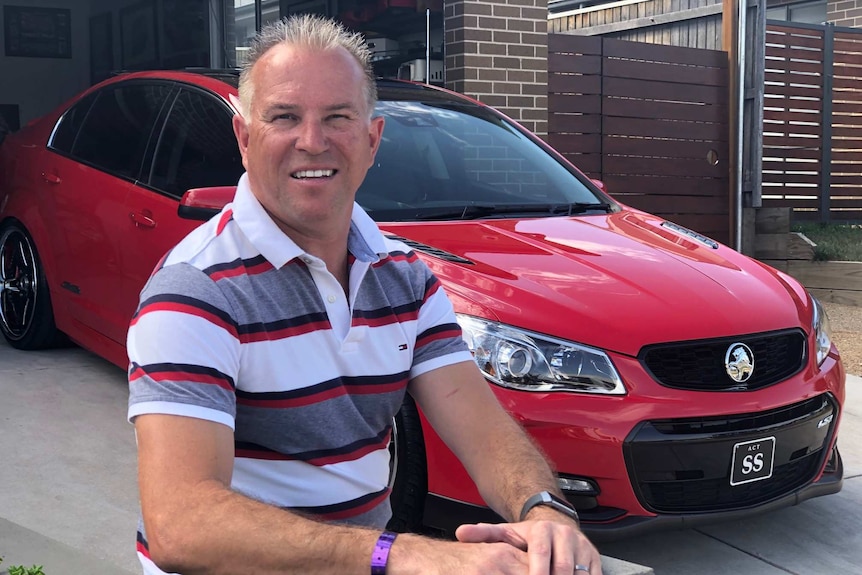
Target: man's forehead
{"x":288,"y":55}
{"x":285,"y":77}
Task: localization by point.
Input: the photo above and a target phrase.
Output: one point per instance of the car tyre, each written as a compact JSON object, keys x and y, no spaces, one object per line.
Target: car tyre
{"x":408,"y":476}
{"x":26,"y":316}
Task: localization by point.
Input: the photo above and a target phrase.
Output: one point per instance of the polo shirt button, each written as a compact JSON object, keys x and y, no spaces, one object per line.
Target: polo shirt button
{"x":330,"y":298}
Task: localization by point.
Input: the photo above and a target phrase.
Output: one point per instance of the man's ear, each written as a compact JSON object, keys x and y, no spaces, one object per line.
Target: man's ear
{"x":375,"y":134}
{"x":240,"y":130}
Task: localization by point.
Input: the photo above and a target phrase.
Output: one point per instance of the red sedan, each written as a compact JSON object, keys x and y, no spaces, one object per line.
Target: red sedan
{"x":672,"y":380}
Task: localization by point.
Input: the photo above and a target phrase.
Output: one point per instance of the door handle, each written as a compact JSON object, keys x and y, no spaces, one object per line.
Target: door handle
{"x":51,"y":178}
{"x":142,"y":220}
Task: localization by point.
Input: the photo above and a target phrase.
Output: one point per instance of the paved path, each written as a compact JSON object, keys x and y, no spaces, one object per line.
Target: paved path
{"x":69,"y":500}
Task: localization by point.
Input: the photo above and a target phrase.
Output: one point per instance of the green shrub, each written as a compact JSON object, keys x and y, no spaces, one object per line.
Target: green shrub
{"x":835,"y":242}
{"x":21,"y":570}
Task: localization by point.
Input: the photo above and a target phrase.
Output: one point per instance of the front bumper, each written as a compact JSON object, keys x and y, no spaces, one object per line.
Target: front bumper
{"x":660,"y":457}
{"x":447,"y":514}
{"x":683,"y":465}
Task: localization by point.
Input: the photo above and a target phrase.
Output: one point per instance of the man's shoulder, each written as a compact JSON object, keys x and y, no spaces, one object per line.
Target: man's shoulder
{"x":215,"y":241}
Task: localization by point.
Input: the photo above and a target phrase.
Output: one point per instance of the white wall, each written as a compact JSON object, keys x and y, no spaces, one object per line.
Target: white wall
{"x":38,"y":85}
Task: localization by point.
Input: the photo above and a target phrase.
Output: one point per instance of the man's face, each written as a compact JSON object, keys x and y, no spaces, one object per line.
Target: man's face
{"x":307,"y":141}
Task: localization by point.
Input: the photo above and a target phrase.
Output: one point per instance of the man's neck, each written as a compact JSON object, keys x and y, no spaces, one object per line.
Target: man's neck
{"x":331,"y":248}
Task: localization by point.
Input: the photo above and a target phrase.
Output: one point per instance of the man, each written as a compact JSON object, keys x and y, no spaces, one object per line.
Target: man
{"x":273,"y":346}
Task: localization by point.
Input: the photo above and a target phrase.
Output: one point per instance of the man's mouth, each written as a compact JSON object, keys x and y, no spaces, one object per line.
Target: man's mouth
{"x":309,"y":174}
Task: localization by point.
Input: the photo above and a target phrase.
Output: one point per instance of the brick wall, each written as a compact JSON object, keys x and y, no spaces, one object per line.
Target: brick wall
{"x":844,"y":13}
{"x":497,"y":52}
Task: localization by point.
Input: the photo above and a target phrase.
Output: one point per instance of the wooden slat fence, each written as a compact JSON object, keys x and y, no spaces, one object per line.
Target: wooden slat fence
{"x":812,"y":132}
{"x":650,"y":121}
{"x":691,"y":23}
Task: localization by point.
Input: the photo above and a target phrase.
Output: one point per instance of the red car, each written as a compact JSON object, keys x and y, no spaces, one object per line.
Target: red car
{"x":671,"y":380}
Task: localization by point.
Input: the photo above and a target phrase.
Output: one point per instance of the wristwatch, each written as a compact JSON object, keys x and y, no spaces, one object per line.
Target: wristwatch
{"x":552,"y":501}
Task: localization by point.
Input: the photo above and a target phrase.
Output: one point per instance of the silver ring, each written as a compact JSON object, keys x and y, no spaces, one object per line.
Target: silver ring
{"x":582,"y":568}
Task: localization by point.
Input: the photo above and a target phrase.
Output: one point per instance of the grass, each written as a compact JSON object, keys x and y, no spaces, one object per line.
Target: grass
{"x":835,"y":242}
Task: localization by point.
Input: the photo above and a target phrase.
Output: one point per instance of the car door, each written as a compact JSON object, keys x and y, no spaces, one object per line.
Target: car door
{"x":101,"y":153}
{"x":196,"y":148}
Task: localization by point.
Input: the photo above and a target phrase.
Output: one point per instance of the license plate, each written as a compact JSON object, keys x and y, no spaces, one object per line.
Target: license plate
{"x":752,"y":461}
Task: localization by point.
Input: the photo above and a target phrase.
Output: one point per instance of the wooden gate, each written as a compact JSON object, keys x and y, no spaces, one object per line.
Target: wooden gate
{"x":812,"y":130}
{"x":650,"y":121}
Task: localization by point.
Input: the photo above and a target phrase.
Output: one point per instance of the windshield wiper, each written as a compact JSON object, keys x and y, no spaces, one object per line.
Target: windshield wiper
{"x":483,"y":210}
{"x":583,"y":207}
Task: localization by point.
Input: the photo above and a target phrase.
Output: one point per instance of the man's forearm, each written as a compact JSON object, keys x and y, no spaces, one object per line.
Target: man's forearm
{"x":500,"y":457}
{"x":226,"y":533}
{"x":514,"y":469}
{"x":213,"y":530}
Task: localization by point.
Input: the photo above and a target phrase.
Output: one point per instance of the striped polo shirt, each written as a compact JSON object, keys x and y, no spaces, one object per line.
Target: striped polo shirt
{"x":239,"y":326}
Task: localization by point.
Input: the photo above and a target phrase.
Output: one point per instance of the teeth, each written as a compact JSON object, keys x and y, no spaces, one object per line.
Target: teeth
{"x":302,"y":174}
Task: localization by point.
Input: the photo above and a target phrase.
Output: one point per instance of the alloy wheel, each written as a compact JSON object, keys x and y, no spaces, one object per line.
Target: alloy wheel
{"x":18,"y":283}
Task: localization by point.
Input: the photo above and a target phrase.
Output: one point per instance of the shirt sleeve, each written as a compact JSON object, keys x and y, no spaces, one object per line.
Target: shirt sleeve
{"x":183,"y":348}
{"x":438,"y":336}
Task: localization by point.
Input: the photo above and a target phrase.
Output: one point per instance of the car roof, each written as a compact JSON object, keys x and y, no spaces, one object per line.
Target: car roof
{"x":224,"y":82}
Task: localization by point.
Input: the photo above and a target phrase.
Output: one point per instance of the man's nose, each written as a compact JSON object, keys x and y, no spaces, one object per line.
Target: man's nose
{"x":312,"y":137}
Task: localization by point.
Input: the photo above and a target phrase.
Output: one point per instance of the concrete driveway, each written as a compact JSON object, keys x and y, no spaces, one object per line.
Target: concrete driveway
{"x":69,"y":498}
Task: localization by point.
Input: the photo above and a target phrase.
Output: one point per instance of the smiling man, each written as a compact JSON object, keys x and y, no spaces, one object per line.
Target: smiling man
{"x":273,"y":346}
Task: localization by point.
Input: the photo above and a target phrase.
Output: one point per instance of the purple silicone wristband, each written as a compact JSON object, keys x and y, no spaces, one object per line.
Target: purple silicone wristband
{"x":380,"y":556}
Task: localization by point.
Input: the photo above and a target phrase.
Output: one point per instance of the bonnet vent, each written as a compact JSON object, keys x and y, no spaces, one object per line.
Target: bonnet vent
{"x":419,"y":246}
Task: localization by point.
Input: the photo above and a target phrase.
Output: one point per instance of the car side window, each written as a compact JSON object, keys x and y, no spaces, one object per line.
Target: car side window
{"x":115,"y":132}
{"x":197,"y":147}
{"x":67,"y":129}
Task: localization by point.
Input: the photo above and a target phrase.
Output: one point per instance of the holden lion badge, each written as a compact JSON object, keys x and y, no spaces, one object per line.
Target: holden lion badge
{"x":739,"y":362}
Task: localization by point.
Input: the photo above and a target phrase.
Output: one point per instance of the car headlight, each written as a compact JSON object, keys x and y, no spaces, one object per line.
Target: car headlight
{"x":519,"y":359}
{"x":822,"y":331}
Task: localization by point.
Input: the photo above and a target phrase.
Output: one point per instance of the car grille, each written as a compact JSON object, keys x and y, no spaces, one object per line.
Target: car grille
{"x":683,"y":466}
{"x":700,"y":365}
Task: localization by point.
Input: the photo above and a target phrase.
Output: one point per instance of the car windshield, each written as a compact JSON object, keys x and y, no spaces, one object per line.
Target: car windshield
{"x":444,"y":160}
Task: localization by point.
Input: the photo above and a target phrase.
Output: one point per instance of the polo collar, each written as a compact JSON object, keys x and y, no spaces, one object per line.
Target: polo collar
{"x":364,"y":241}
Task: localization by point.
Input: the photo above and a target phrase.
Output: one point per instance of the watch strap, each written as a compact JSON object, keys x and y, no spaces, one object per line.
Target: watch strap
{"x":549,"y":499}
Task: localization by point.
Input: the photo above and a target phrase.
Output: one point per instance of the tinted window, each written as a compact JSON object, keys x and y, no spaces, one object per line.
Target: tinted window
{"x":436,"y":159}
{"x":115,"y":132}
{"x":197,"y":147}
{"x":70,"y":123}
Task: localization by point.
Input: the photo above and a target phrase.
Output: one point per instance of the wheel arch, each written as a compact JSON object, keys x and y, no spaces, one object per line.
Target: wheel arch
{"x":35,"y":228}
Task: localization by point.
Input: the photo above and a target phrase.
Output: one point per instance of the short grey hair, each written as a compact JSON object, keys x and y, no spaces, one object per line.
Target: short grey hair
{"x":306,"y":31}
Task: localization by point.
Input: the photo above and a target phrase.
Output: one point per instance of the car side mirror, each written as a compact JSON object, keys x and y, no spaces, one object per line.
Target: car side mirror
{"x":203,"y":203}
{"x":600,"y":185}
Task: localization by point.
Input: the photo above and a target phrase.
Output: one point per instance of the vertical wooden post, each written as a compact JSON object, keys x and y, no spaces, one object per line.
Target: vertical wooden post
{"x":730,"y":44}
{"x":824,"y":206}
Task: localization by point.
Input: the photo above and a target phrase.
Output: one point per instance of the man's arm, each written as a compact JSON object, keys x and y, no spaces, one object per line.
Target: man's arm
{"x":506,"y":465}
{"x":196,"y":524}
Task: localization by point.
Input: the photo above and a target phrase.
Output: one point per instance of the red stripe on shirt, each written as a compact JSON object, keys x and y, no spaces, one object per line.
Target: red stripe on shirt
{"x":225,"y":218}
{"x":180,"y":375}
{"x":408,"y":257}
{"x":339,"y":457}
{"x":241,"y":270}
{"x":284,"y":333}
{"x":436,"y":336}
{"x":184,"y":308}
{"x":385,"y":320}
{"x":354,"y":511}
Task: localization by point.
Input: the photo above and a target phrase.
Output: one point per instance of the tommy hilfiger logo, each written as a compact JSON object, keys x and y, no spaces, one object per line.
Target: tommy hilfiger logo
{"x":402,"y":347}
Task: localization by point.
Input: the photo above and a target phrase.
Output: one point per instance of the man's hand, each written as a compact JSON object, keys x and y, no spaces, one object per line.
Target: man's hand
{"x":554,"y":544}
